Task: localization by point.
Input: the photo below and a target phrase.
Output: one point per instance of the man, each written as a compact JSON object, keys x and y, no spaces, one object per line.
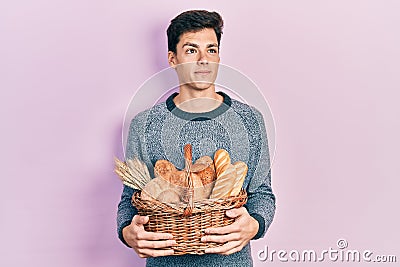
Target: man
{"x":209,"y":121}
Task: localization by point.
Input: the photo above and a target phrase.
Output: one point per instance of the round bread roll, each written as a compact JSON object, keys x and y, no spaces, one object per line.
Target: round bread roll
{"x":204,"y":168}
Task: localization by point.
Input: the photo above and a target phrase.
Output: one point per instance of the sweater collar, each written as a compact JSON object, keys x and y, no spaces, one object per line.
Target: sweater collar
{"x":201,"y":116}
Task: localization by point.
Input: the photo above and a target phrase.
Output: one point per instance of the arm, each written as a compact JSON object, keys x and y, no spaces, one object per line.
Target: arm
{"x":125,"y":213}
{"x":234,"y":236}
{"x":261,"y":206}
{"x":131,"y":230}
{"x":130,"y":225}
{"x":261,"y":199}
{"x":126,"y":210}
{"x":254,"y":219}
{"x":147,"y":244}
{"x":251,"y":222}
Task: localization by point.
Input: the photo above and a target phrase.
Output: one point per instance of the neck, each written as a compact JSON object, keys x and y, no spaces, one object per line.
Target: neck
{"x":195,"y":100}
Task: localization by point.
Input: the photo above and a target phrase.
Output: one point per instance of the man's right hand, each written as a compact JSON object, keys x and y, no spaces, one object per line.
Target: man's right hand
{"x":147,"y":244}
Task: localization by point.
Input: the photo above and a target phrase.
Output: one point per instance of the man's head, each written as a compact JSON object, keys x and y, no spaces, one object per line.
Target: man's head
{"x":193,"y":43}
{"x":193,"y":21}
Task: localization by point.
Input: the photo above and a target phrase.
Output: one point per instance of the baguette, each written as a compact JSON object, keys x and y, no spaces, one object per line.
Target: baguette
{"x":241,"y":172}
{"x":224,"y":183}
{"x":222,"y":161}
{"x":230,"y":178}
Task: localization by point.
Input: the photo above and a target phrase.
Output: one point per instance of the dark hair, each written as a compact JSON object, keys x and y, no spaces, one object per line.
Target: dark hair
{"x":192,"y":21}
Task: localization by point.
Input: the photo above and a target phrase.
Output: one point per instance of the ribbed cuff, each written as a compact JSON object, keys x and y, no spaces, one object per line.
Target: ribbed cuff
{"x":120,"y":235}
{"x":261,"y":225}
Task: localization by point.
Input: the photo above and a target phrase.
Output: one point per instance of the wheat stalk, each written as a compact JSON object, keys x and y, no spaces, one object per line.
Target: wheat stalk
{"x":133,"y":173}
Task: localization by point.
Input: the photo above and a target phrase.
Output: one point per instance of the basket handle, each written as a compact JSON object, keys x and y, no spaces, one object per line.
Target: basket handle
{"x":187,"y":150}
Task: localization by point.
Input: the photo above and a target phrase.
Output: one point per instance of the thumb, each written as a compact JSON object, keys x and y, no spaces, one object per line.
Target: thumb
{"x":233,"y":213}
{"x":139,"y":220}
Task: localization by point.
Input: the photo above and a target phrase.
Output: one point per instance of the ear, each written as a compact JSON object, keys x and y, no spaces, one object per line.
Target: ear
{"x":172,"y":59}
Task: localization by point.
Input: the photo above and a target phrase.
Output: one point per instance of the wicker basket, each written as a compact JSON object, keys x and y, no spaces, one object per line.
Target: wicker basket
{"x":187,"y":224}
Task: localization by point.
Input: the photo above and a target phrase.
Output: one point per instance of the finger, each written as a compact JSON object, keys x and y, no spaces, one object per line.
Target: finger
{"x":224,"y":249}
{"x":221,"y":238}
{"x":145,"y":244}
{"x":233,"y":213}
{"x":233,"y":228}
{"x":140,"y":220}
{"x":231,"y":251}
{"x":144,"y":235}
{"x":145,"y":253}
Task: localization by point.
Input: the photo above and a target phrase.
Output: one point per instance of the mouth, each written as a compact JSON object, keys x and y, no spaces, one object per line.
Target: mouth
{"x":202,"y":72}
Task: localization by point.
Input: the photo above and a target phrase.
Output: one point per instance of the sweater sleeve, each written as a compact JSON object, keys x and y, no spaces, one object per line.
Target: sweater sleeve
{"x":261,"y":206}
{"x":261,"y":199}
{"x":126,"y":211}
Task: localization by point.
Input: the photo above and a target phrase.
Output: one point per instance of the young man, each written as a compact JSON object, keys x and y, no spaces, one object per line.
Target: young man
{"x":209,"y":121}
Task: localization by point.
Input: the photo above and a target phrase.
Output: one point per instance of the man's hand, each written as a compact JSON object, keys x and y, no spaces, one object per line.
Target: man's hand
{"x":147,"y":244}
{"x":235,"y":236}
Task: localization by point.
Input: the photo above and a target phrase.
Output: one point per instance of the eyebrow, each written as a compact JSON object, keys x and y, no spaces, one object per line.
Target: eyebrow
{"x":197,"y":46}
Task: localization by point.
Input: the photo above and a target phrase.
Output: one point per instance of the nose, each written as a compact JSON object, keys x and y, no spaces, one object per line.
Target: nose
{"x":202,"y":58}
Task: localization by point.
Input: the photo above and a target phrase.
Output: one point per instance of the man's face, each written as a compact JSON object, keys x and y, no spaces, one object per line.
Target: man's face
{"x":196,"y":59}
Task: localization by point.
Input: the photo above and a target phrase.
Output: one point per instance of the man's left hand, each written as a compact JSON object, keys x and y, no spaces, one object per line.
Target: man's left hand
{"x":234,"y":236}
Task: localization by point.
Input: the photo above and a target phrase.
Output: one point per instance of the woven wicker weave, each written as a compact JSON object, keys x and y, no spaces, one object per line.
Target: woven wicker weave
{"x":188,"y":230}
{"x":187,"y":222}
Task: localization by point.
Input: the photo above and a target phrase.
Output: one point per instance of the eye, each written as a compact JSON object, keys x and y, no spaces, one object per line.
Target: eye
{"x":212,"y":51}
{"x":190,"y":51}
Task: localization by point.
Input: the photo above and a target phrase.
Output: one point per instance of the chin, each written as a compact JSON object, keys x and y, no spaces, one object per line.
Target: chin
{"x":201,"y":86}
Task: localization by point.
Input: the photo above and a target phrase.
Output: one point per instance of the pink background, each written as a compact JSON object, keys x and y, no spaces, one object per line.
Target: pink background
{"x":329,"y":69}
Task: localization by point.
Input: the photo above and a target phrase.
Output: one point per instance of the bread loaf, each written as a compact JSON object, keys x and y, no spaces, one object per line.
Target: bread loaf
{"x":224,"y":183}
{"x":202,"y":173}
{"x":222,"y":160}
{"x":168,"y":171}
{"x":204,"y":168}
{"x":163,"y":191}
{"x":241,"y":172}
{"x":230,"y":178}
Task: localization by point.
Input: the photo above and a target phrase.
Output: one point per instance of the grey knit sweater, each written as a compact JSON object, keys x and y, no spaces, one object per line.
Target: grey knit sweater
{"x":161,"y":133}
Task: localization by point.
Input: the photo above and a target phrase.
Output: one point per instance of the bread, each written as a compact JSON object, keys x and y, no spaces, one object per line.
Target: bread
{"x":168,"y":171}
{"x":204,"y":192}
{"x":176,"y":182}
{"x":222,"y":160}
{"x":163,"y":191}
{"x":224,"y":183}
{"x":230,"y":178}
{"x":214,"y":179}
{"x":241,"y":172}
{"x":204,"y":168}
